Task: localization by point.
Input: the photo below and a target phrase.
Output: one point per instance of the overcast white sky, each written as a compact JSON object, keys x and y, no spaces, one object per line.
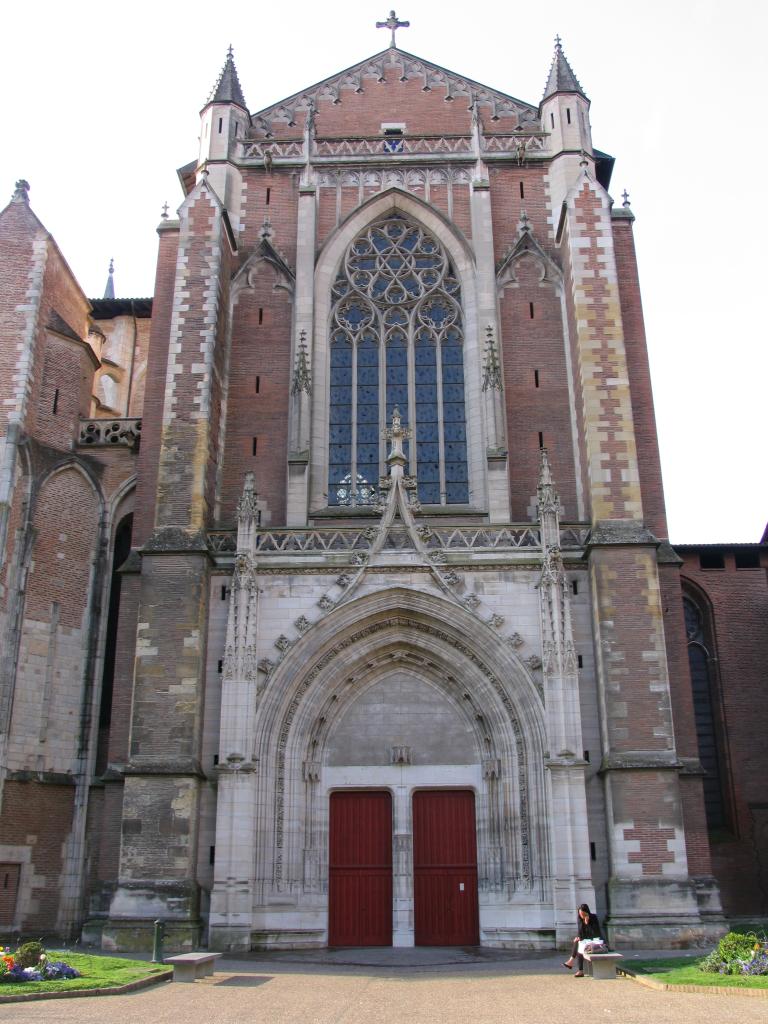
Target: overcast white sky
{"x":100,"y":105}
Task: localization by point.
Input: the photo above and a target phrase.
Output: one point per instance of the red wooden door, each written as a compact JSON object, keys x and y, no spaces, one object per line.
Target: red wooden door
{"x":360,"y":870}
{"x":445,"y":868}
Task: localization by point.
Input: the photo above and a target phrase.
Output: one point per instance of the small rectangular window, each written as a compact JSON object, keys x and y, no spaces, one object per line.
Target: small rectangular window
{"x":575,"y":587}
{"x":220,"y":666}
{"x":552,"y":120}
{"x":522,"y":190}
{"x":257,"y":384}
{"x":261,"y":316}
{"x":530,"y":309}
{"x":541,"y":439}
{"x":221,"y":124}
{"x":224,"y":590}
{"x":535,"y":378}
{"x":211,"y":854}
{"x":713,"y":559}
{"x":586,"y":756}
{"x":580,"y":661}
{"x":215,"y":759}
{"x":747,"y":558}
{"x":254,"y":445}
{"x":568,"y":114}
{"x":268,"y":196}
{"x":592,"y":852}
{"x":55,"y":401}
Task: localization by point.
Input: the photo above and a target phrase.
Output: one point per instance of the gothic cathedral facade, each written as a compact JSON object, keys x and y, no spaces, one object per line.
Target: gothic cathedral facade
{"x":337,"y":602}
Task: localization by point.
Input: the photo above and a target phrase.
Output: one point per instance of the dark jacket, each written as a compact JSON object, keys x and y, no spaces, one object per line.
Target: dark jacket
{"x":589,"y":929}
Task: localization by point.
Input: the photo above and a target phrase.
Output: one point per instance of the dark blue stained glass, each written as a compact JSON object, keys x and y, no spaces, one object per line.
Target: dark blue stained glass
{"x":367,"y":454}
{"x":368,"y":375}
{"x":453,"y":393}
{"x":341,"y":433}
{"x":395,"y":228}
{"x":397,"y":394}
{"x":367,"y":354}
{"x":453,"y":412}
{"x":379,"y":287}
{"x":426,"y":412}
{"x":341,"y":376}
{"x":453,"y":373}
{"x":429,"y":431}
{"x":437,"y":312}
{"x":367,"y":413}
{"x":341,"y":353}
{"x":456,"y":471}
{"x":455,"y":432}
{"x":339,"y":395}
{"x":426,"y":393}
{"x":380,"y":241}
{"x":428,"y":452}
{"x":457,"y":493}
{"x":368,"y":395}
{"x":409,"y":241}
{"x":411,"y":285}
{"x":366,"y":264}
{"x":428,"y":472}
{"x":340,"y":454}
{"x":340,"y":414}
{"x":425,"y":355}
{"x":367,"y":433}
{"x":429,"y":494}
{"x":397,"y":353}
{"x":395,"y":262}
{"x":455,"y":451}
{"x":452,"y":353}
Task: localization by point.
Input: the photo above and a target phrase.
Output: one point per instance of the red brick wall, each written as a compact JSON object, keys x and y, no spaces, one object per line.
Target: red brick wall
{"x":531,"y":344}
{"x":646,"y":437}
{"x":154,"y":393}
{"x":738,"y":601}
{"x":39,"y":815}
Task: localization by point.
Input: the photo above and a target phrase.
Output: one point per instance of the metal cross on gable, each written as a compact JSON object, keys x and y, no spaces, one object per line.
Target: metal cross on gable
{"x":393,"y":24}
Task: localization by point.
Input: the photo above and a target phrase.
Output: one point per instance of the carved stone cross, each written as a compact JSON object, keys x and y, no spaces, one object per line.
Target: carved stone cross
{"x":393,"y":24}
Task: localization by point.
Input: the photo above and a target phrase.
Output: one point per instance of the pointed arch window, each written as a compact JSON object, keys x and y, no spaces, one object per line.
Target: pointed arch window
{"x":397,"y":339}
{"x":697,"y":627}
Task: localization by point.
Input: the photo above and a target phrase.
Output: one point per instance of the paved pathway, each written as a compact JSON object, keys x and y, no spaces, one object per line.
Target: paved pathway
{"x":394,"y":987}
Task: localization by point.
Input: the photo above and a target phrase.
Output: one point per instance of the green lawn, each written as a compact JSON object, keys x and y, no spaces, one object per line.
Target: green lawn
{"x":683,"y":970}
{"x":96,"y":971}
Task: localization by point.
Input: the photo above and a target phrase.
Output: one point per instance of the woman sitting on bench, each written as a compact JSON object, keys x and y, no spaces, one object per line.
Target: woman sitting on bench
{"x":589,"y":931}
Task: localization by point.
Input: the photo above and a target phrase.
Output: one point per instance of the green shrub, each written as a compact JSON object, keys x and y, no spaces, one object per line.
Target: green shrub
{"x":29,"y":954}
{"x":736,"y":946}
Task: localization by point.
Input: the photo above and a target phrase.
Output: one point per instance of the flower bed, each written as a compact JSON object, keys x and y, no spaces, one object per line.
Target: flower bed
{"x":29,"y":963}
{"x":63,"y":972}
{"x":738,"y":954}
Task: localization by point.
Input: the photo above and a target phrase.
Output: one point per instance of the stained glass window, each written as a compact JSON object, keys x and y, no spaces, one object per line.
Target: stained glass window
{"x":396,"y":339}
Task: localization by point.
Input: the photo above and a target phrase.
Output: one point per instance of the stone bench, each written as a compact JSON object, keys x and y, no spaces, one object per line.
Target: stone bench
{"x":191,"y":966}
{"x":602,"y":966}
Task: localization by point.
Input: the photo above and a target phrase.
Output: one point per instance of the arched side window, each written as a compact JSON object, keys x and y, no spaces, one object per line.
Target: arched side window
{"x":396,"y":339}
{"x":704,"y":707}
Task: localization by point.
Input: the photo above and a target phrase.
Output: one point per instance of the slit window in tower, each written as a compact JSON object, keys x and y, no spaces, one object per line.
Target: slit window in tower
{"x":568,"y":114}
{"x":580,"y":660}
{"x":522,"y":190}
{"x":530,"y":309}
{"x":223,"y":592}
{"x":221,"y":125}
{"x":535,"y":378}
{"x":552,"y":120}
{"x":268,"y":195}
{"x":254,"y":445}
{"x":586,"y":756}
{"x":592,"y":851}
{"x":541,"y":439}
{"x":257,"y":384}
{"x":55,"y":408}
{"x":261,"y":316}
{"x":211,"y":854}
{"x":575,"y":587}
{"x":220,"y":666}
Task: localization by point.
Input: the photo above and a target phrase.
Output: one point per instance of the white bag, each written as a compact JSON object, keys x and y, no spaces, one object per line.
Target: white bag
{"x":585,"y":945}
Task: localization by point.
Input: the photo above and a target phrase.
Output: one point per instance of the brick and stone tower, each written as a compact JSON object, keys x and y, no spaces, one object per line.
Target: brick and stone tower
{"x":397,"y":590}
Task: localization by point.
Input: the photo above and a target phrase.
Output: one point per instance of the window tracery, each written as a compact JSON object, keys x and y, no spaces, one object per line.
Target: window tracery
{"x":396,"y":339}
